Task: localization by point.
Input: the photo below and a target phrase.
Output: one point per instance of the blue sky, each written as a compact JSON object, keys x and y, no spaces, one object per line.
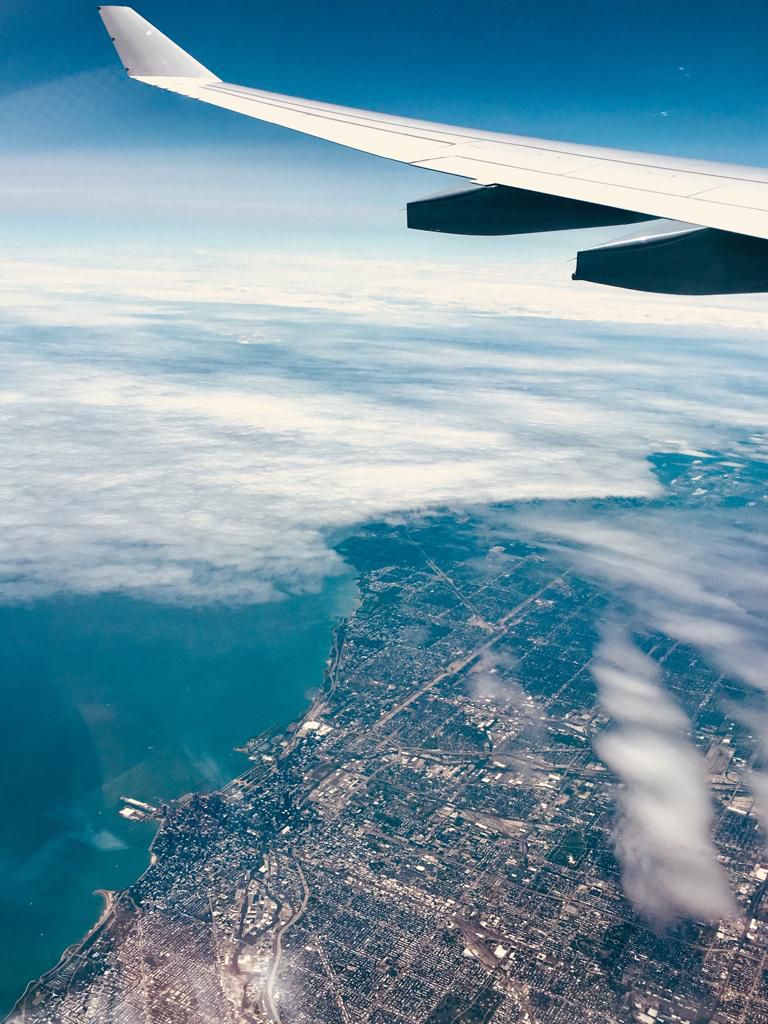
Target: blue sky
{"x":83,"y":146}
{"x":594,"y":70}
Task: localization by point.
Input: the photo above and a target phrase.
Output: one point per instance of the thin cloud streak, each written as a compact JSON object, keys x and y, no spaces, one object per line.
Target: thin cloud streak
{"x":662,"y":838}
{"x":493,"y":678}
{"x":696,"y":578}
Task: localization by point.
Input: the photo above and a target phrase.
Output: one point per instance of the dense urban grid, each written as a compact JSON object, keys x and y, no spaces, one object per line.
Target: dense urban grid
{"x":431,"y":843}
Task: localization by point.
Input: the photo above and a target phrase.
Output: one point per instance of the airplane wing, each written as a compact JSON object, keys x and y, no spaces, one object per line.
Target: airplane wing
{"x":710,"y":231}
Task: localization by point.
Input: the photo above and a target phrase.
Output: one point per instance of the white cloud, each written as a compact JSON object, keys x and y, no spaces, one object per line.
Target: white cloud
{"x":493,"y":678}
{"x":192,"y":429}
{"x":398,"y":277}
{"x":669,"y":863}
{"x":629,"y":687}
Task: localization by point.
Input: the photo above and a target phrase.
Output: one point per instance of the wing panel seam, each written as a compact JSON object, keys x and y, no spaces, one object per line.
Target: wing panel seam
{"x":300,"y":106}
{"x":586,"y":181}
{"x":375,"y":126}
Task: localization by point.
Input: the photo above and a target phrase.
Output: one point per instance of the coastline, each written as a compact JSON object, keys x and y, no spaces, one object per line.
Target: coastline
{"x":111,"y":898}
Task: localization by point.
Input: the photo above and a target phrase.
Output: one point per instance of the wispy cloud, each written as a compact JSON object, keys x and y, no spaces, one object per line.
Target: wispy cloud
{"x":702,"y":580}
{"x":669,"y":863}
{"x":493,"y":677}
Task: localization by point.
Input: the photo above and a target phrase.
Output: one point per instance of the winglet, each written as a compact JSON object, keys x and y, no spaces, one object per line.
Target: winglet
{"x":147,"y":53}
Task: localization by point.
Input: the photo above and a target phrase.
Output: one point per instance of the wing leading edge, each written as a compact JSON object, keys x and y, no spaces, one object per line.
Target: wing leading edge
{"x":717,"y":243}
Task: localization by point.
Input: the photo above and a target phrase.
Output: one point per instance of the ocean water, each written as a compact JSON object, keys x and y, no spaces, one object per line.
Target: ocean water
{"x":107,"y":696}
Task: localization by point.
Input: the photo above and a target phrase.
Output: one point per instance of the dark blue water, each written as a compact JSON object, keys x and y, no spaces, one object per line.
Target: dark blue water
{"x":106,"y":696}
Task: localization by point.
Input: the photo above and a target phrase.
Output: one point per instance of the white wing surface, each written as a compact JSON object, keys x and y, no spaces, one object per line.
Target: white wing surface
{"x":534,"y":184}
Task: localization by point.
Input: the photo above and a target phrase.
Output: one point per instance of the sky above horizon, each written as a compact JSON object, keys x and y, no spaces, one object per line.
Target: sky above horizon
{"x":89,"y":156}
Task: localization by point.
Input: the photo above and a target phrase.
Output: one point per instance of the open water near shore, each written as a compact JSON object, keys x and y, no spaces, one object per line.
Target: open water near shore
{"x":107,"y":696}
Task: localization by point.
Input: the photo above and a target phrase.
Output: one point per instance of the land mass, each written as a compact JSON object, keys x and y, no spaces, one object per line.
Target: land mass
{"x":431,"y":842}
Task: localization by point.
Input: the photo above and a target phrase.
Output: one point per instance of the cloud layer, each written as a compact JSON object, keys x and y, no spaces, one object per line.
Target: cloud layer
{"x":194,"y":431}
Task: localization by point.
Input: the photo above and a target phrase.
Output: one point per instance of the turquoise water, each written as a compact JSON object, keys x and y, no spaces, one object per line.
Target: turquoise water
{"x":108,"y":696}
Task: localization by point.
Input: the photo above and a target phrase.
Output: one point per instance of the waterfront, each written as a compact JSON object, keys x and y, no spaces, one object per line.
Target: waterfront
{"x":445,"y":835}
{"x":108,"y":696}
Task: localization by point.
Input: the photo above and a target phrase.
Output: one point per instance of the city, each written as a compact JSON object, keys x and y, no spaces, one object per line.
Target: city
{"x":432,"y":842}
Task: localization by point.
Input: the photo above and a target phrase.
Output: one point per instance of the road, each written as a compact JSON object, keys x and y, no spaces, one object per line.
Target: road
{"x":277,"y":950}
